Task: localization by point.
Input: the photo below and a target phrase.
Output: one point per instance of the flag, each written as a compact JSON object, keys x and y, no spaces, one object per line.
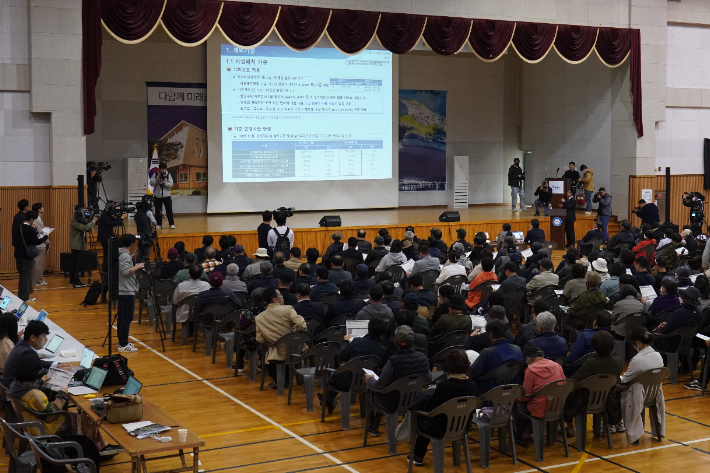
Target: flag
{"x":154,"y":163}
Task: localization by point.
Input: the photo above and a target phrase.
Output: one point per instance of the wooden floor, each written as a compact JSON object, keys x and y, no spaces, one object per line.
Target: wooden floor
{"x":247,"y":430}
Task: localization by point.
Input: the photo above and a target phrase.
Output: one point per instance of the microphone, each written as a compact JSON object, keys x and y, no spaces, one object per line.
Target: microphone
{"x":557,"y":172}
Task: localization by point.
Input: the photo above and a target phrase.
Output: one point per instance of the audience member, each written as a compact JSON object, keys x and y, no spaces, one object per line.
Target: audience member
{"x":648,"y":241}
{"x":425,"y":261}
{"x":207,"y":241}
{"x":351,"y":251}
{"x":475,"y":295}
{"x":265,"y":279}
{"x":394,"y":257}
{"x":583,"y":345}
{"x":362,"y":283}
{"x":578,"y":284}
{"x":591,"y":297}
{"x":689,"y":240}
{"x":33,"y":339}
{"x":406,"y":318}
{"x":500,"y":239}
{"x":240,"y":259}
{"x":286,"y":285}
{"x":512,"y":280}
{"x":668,"y":298}
{"x":231,"y":281}
{"x":312,"y":255}
{"x":616,"y":243}
{"x":346,"y":305}
{"x":304,"y":276}
{"x":538,"y":254}
{"x":642,"y":276}
{"x":214,"y":296}
{"x":603,"y":361}
{"x":442,"y":302}
{"x":409,"y":250}
{"x":682,"y":275}
{"x":376,"y":254}
{"x":461,"y":238}
{"x":170,"y":269}
{"x":564,"y":269}
{"x":8,"y":336}
{"x":388,"y":299}
{"x":627,"y":305}
{"x":688,"y":315}
{"x":597,"y":233}
{"x":187,"y":288}
{"x":305,"y":307}
{"x":478,"y":341}
{"x":294,"y":262}
{"x":529,"y":331}
{"x":551,"y":344}
{"x":611,"y":286}
{"x":184,"y":274}
{"x":669,"y":250}
{"x":419,"y":322}
{"x":338,"y":274}
{"x":498,"y":353}
{"x":454,"y":320}
{"x":280,"y":266}
{"x":546,"y":277}
{"x":452,"y":269}
{"x":375,"y":308}
{"x":535,"y":233}
{"x":323,"y":285}
{"x":254,"y":269}
{"x":334,"y":248}
{"x":363,"y":245}
{"x":416,"y":285}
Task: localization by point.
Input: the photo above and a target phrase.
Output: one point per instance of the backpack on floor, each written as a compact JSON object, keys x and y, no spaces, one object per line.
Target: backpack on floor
{"x":93,"y":294}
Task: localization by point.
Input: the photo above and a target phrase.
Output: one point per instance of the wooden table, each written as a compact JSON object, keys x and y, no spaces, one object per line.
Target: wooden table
{"x":139,"y":449}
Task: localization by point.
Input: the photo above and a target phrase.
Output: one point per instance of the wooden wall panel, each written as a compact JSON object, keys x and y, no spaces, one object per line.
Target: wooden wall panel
{"x":679,"y":183}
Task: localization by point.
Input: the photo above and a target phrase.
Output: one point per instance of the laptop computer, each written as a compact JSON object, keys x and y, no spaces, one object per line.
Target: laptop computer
{"x":93,"y":383}
{"x":42,"y":315}
{"x":519,"y":236}
{"x":54,"y":344}
{"x":21,"y":311}
{"x":87,"y":359}
{"x":133,"y":386}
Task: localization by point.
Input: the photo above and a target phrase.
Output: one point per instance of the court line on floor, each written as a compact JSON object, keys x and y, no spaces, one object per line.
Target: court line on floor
{"x":250,"y":409}
{"x":264,"y":427}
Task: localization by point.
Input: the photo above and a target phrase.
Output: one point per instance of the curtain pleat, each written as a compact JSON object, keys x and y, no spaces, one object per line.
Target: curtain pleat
{"x":575,"y":43}
{"x":613,"y":44}
{"x":533,"y":41}
{"x":351,"y":31}
{"x":190,"y":22}
{"x":300,"y":28}
{"x":489,"y":39}
{"x":399,"y":32}
{"x":247,"y":24}
{"x":635,"y":73}
{"x":91,"y":41}
{"x":446,"y":35}
{"x":131,"y":21}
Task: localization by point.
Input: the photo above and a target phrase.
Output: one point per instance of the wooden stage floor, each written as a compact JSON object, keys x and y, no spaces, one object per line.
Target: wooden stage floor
{"x":247,"y":430}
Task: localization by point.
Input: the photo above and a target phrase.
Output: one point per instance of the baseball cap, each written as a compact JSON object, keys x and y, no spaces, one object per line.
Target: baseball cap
{"x":173,"y":253}
{"x":411,"y":301}
{"x":456,"y":302}
{"x":237,"y":249}
{"x":404,"y":336}
{"x":683,"y":272}
{"x":379,"y":240}
{"x":216,"y":278}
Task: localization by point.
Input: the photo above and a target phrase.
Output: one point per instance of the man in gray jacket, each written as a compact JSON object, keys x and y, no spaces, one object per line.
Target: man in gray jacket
{"x":127,"y":288}
{"x":162,"y":181}
{"x":375,"y":309}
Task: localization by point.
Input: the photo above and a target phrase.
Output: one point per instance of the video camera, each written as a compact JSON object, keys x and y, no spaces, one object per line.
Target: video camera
{"x":287,"y":211}
{"x":84,"y":215}
{"x":635,"y":210}
{"x":116,"y":209}
{"x":146,"y":203}
{"x":98,"y":168}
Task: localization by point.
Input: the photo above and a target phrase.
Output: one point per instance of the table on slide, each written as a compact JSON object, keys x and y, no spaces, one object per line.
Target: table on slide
{"x":139,"y":449}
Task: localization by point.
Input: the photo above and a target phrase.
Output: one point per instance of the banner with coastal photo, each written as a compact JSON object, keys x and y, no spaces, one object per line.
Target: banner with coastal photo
{"x":177,"y":131}
{"x":422,"y":140}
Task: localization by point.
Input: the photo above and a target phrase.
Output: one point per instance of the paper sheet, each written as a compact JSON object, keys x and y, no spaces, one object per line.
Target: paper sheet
{"x":136,"y":425}
{"x":681,"y":251}
{"x":526,"y":253}
{"x":648,"y":292}
{"x":356,"y":328}
{"x":46,"y":231}
{"x":407,"y":267}
{"x":478,"y":322}
{"x":495,"y":287}
{"x":702,"y":337}
{"x":628,"y":271}
{"x":58,"y":379}
{"x":371,"y":373}
{"x":559,"y":292}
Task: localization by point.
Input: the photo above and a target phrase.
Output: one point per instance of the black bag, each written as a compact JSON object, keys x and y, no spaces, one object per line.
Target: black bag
{"x":93,"y":294}
{"x":30,"y":250}
{"x":117,"y":369}
{"x":283,"y":244}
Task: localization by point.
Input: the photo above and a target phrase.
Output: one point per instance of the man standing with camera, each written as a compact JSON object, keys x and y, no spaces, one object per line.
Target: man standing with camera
{"x":696,"y":202}
{"x":144,"y":221}
{"x":648,"y":213}
{"x":84,"y":220}
{"x":516,"y":176}
{"x":544,"y":197}
{"x":162,"y":181}
{"x":604,"y":210}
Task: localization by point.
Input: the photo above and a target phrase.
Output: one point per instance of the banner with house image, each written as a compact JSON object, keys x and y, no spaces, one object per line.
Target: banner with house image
{"x":177,"y":130}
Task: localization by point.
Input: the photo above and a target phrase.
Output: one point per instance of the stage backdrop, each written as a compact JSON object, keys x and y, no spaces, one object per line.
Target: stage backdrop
{"x":177,"y":125}
{"x":422,"y":140}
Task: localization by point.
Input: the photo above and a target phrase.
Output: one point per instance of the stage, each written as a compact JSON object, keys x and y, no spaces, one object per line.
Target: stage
{"x":191,"y":228}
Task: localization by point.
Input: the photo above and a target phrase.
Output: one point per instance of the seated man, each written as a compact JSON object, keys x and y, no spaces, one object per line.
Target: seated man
{"x":254,"y":269}
{"x":538,"y":254}
{"x":512,"y":280}
{"x":232,"y":281}
{"x":478,"y":341}
{"x":648,"y":241}
{"x":185,"y":289}
{"x":627,"y":305}
{"x":312,"y":255}
{"x":305,"y":307}
{"x":416,"y":285}
{"x":214,"y":295}
{"x":642,"y":276}
{"x":351,"y":251}
{"x":184,"y":273}
{"x":375,"y":308}
{"x":421,"y":341}
{"x":411,"y":306}
{"x":603,"y":361}
{"x":304,"y":276}
{"x":394,"y":257}
{"x":362,"y":283}
{"x":346,"y":304}
{"x":498,"y":353}
{"x":369,"y":345}
{"x":545,"y":278}
{"x":388,"y":299}
{"x":337,"y":274}
{"x":363,"y":245}
{"x":280,"y":266}
{"x":474,"y":296}
{"x":240,"y":259}
{"x":610,"y":286}
{"x":583,"y":345}
{"x":285,"y":286}
{"x":323,"y":286}
{"x":377,"y":253}
{"x":265,"y":279}
{"x":210,"y":262}
{"x":688,"y":315}
{"x":170,"y":269}
{"x":273,"y":323}
{"x":597,"y":233}
{"x":452,"y":269}
{"x":454,"y":320}
{"x":624,"y":237}
{"x":425,"y":261}
{"x":405,"y":362}
{"x":34,"y":339}
{"x":294,"y":262}
{"x":535,"y":233}
{"x":529,"y":331}
{"x":578,"y":284}
{"x":591,"y":297}
{"x":551,"y":344}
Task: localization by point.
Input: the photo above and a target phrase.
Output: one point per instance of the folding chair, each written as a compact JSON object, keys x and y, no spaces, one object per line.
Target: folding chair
{"x":47,"y":464}
{"x":685,"y":336}
{"x":455,"y":337}
{"x":503,"y":400}
{"x":292,"y":343}
{"x":319,"y":357}
{"x":599,"y":386}
{"x":353,"y":367}
{"x":651,"y":382}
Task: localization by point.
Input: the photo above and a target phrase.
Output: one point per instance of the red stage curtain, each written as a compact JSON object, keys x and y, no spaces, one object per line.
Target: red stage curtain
{"x":302,"y":27}
{"x":574,"y":43}
{"x":190,"y":21}
{"x":533,"y":40}
{"x":351,"y":30}
{"x":131,"y":20}
{"x":445,"y":35}
{"x":490,"y":38}
{"x":613,"y":44}
{"x":91,"y":40}
{"x":399,"y":32}
{"x":635,"y":73}
{"x":247,"y":24}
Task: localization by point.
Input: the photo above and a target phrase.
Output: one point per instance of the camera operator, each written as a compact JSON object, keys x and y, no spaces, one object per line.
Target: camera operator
{"x":162,"y":181}
{"x":696,"y":202}
{"x":84,"y":220}
{"x":648,"y":213}
{"x":281,"y":237}
{"x":92,"y":191}
{"x":544,"y":198}
{"x":604,"y":210}
{"x":587,"y":183}
{"x":109,"y":219}
{"x":516,"y":176}
{"x":144,"y":228}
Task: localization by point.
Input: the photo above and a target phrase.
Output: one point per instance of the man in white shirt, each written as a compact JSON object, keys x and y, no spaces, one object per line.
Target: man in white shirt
{"x":280,"y":230}
{"x":451,"y":269}
{"x":185,"y":289}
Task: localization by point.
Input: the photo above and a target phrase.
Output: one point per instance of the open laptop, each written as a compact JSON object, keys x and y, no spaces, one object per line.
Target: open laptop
{"x":54,"y":344}
{"x":4,"y":303}
{"x":133,"y":386}
{"x":87,"y":359}
{"x":519,"y":236}
{"x":42,"y":315}
{"x":93,"y":383}
{"x":21,"y":311}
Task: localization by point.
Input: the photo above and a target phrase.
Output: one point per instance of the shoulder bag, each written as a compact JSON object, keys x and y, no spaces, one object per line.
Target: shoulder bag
{"x":122,"y":408}
{"x":30,"y":250}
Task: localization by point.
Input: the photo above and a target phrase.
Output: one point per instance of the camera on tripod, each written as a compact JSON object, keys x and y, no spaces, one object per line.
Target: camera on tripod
{"x":116,"y":209}
{"x":287,"y":211}
{"x":98,"y":168}
{"x":146,"y":203}
{"x":84,"y":215}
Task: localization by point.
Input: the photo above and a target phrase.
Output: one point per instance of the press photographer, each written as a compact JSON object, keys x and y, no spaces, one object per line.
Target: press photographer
{"x":93,"y":180}
{"x":696,"y":202}
{"x":111,"y":217}
{"x":83,"y":221}
{"x":162,"y":181}
{"x":544,"y":198}
{"x":144,"y":228}
{"x":648,"y":213}
{"x":604,"y":210}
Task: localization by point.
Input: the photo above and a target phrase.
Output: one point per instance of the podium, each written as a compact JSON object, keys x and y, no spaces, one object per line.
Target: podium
{"x":559,"y":186}
{"x":557,"y":226}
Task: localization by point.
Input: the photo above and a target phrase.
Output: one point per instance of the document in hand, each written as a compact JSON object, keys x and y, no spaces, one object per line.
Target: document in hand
{"x":407,"y":267}
{"x":46,"y":231}
{"x":356,"y":328}
{"x":526,"y":253}
{"x":648,"y":292}
{"x":371,"y":373}
{"x":58,"y":379}
{"x":702,"y":337}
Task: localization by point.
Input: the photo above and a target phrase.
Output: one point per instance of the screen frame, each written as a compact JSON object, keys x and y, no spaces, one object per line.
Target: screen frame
{"x":91,"y":359}
{"x":21,"y":310}
{"x":42,"y":315}
{"x":103,"y":378}
{"x":49,"y":343}
{"x":140,"y":385}
{"x":5,"y":302}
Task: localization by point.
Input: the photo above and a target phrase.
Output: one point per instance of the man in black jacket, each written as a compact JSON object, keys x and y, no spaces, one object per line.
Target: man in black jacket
{"x":624,"y":237}
{"x":572,"y":174}
{"x":648,"y":213}
{"x":570,"y":205}
{"x":597,"y":233}
{"x":107,"y":222}
{"x":687,"y":315}
{"x":33,"y":340}
{"x":207,"y":241}
{"x":19,"y":218}
{"x":305,"y":307}
{"x":24,"y":236}
{"x":544,"y":197}
{"x":515,"y":181}
{"x":376,"y":253}
{"x":535,"y":234}
{"x":346,"y":305}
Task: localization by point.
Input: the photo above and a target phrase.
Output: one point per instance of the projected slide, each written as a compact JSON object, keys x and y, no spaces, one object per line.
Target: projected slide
{"x":311,"y":116}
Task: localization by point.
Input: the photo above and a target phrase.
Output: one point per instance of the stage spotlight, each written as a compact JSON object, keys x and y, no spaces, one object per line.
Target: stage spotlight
{"x":330,"y":221}
{"x":450,"y":217}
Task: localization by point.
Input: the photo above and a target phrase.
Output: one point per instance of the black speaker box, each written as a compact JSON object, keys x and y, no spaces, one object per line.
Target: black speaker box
{"x":450,"y":216}
{"x":112,"y":268}
{"x":330,"y":221}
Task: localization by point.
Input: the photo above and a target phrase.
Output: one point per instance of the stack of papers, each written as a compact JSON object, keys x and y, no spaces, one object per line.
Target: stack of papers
{"x":407,"y":267}
{"x":526,"y":253}
{"x":46,"y":231}
{"x":478,"y":322}
{"x":371,"y":373}
{"x":356,"y":328}
{"x":648,"y":292}
{"x":58,"y":379}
